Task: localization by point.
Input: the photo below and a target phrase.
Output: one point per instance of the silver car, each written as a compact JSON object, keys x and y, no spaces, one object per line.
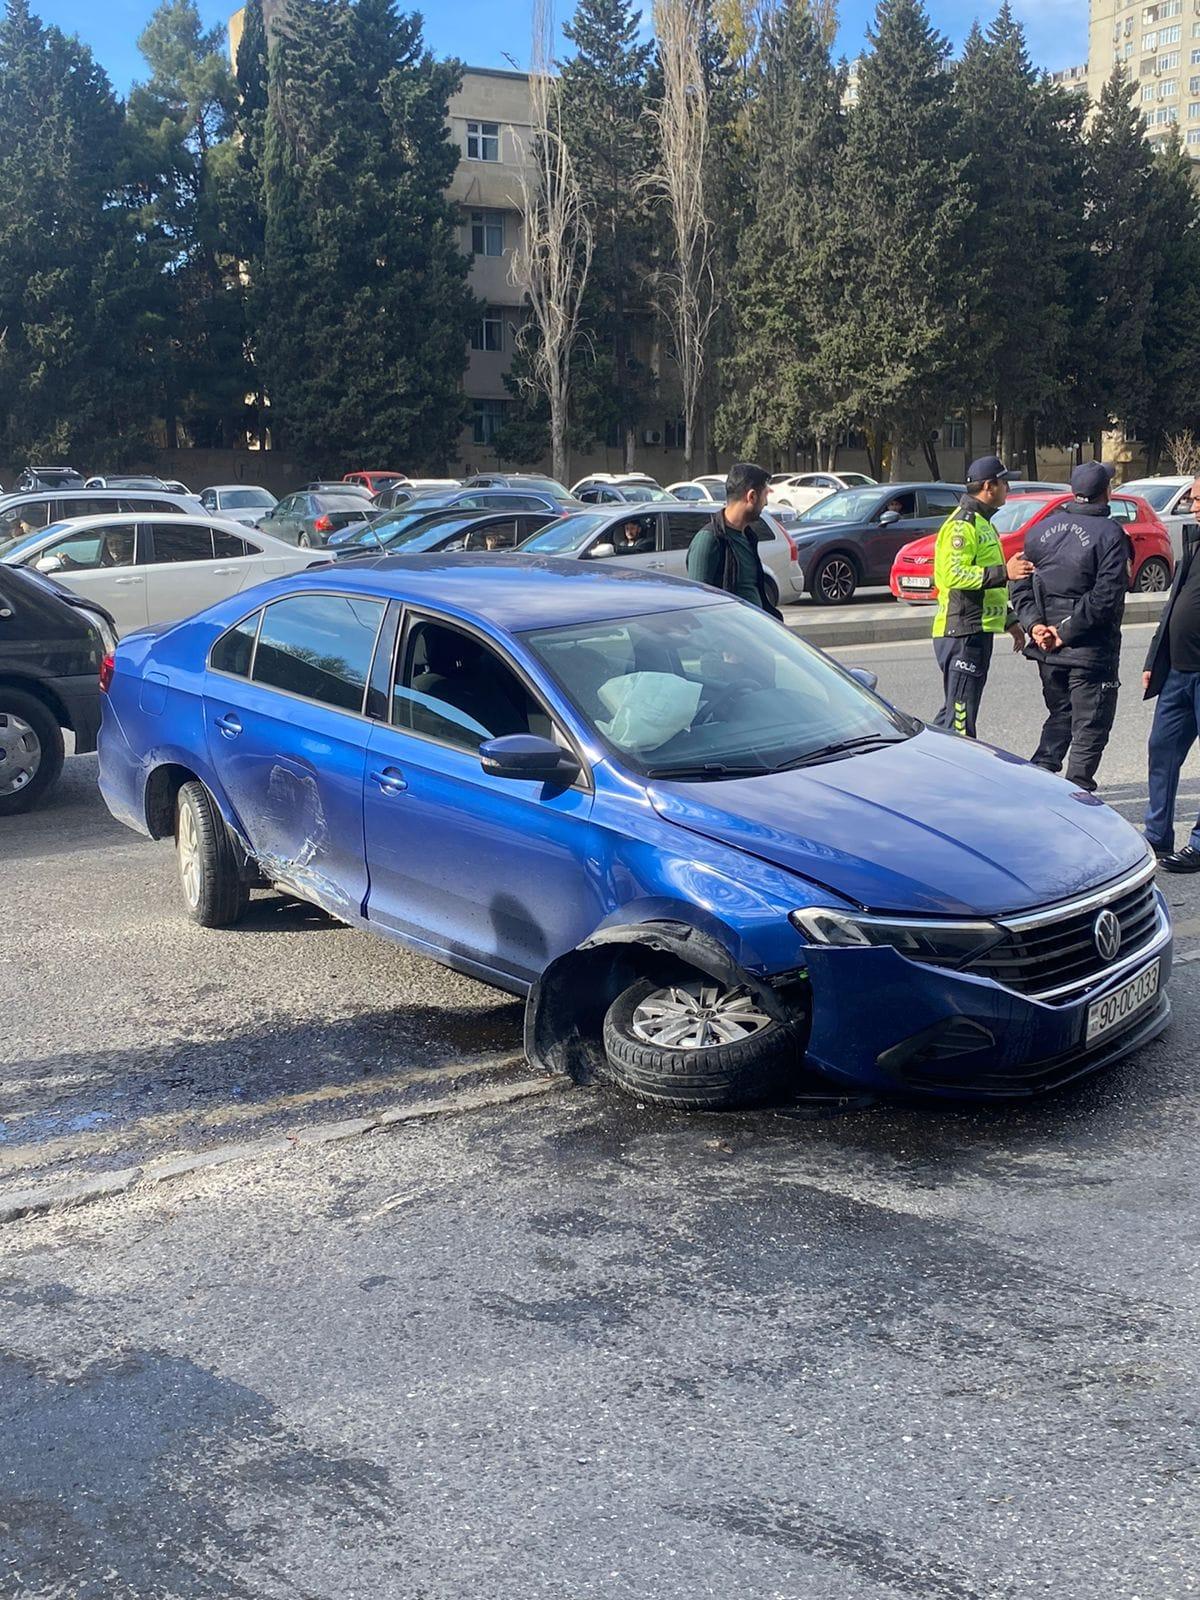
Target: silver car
{"x":244,"y":502}
{"x":1166,"y":496}
{"x":663,"y":534}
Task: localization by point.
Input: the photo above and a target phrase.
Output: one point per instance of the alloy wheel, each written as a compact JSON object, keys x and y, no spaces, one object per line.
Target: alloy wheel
{"x":189,"y":855}
{"x":698,"y":1015}
{"x":1153,"y":577}
{"x":20,"y":753}
{"x":838,"y":579}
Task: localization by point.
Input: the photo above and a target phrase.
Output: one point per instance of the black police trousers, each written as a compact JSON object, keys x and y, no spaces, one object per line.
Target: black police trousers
{"x":1082,"y":702}
{"x":964,"y":663}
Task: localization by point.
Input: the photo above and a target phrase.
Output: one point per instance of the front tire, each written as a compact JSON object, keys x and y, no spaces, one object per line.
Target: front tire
{"x":1154,"y":577}
{"x":833,"y":580}
{"x":213,"y":891}
{"x":31,"y":751}
{"x":697,"y":1045}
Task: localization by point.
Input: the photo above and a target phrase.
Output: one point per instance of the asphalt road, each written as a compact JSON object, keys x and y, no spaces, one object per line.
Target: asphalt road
{"x":567,"y":1348}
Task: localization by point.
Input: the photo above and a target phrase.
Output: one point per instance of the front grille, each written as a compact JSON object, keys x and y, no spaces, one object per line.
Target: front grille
{"x":1049,"y":955}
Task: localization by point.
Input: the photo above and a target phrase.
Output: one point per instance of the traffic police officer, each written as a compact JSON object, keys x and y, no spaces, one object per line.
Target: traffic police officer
{"x":971,"y":577}
{"x":1072,"y":607}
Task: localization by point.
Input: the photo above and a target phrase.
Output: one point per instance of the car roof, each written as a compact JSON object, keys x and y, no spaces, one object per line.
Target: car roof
{"x":25,"y":496}
{"x":513,"y":592}
{"x":206,"y":519}
{"x":220,"y":488}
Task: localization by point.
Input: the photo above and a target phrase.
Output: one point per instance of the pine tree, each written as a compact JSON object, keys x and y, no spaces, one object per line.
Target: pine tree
{"x":776,"y":392}
{"x":1172,"y":344}
{"x":899,"y":225}
{"x":74,"y":288}
{"x":244,"y":197}
{"x":363,"y":312}
{"x":1020,"y":137}
{"x":184,"y":118}
{"x":604,"y":125}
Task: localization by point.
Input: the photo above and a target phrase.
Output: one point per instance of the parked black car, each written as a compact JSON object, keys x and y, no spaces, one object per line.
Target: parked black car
{"x":52,"y":645}
{"x":850,"y":539}
{"x":49,"y":478}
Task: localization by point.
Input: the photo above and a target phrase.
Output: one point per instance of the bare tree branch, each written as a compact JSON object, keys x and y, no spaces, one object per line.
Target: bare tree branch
{"x":686,"y":286}
{"x":551,"y":265}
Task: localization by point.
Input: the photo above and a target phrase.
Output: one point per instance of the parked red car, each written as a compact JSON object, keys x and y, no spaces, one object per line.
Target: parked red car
{"x":372,"y":482}
{"x":1152,"y":569}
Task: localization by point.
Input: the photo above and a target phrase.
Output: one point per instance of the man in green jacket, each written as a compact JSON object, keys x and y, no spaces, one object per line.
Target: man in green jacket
{"x":971,"y":577}
{"x":725,"y":552}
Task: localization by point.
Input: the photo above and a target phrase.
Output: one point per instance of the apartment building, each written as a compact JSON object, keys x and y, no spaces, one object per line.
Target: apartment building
{"x":1159,"y":47}
{"x":1074,"y":78}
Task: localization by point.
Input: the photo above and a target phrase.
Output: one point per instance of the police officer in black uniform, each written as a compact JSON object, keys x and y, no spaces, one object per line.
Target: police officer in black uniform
{"x":1072,"y":606}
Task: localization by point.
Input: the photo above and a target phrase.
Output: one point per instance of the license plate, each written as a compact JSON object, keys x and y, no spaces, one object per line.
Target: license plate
{"x":1117,"y":1007}
{"x":916,"y":583}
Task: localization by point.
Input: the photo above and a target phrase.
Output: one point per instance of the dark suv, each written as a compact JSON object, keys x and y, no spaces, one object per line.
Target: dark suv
{"x":51,"y":648}
{"x":50,"y":478}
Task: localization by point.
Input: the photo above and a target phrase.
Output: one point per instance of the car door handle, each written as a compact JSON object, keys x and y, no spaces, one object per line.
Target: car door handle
{"x":391,"y":780}
{"x":223,"y":572}
{"x":124,"y":583}
{"x":230,"y":725}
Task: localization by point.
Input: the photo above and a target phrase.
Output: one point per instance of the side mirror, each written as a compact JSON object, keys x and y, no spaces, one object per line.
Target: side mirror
{"x":49,"y":563}
{"x":525,"y":755}
{"x":869,"y":680}
{"x":598,"y":552}
{"x":888,"y":517}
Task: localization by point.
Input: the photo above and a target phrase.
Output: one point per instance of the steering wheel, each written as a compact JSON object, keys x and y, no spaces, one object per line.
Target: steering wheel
{"x":707,"y":711}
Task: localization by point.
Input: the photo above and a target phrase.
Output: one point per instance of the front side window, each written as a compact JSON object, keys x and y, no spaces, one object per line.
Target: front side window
{"x":711,"y":692}
{"x":92,"y":551}
{"x":234,"y":651}
{"x":319,"y":646}
{"x":208,"y":500}
{"x":453,"y":688}
{"x":483,"y":141}
{"x":567,"y":535}
{"x":487,"y":233}
{"x":175,"y":541}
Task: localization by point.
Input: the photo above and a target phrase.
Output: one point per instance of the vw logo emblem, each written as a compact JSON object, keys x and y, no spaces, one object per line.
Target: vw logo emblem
{"x":1107,"y":933}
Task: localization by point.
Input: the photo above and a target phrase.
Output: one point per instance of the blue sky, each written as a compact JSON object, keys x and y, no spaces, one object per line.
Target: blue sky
{"x":480,"y":31}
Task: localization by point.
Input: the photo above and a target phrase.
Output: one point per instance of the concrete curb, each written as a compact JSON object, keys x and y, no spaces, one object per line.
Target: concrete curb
{"x":832,"y":629}
{"x":71,"y":1193}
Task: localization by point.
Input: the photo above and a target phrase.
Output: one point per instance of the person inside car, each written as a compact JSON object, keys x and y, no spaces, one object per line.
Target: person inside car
{"x":633,"y":539}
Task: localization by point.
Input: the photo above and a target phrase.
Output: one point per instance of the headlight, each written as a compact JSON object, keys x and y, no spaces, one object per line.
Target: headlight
{"x":945,"y":944}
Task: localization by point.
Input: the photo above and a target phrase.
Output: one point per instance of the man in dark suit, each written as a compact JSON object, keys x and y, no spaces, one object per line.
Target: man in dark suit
{"x":1173,"y":676}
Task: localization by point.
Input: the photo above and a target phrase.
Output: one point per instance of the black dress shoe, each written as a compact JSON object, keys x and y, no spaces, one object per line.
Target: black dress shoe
{"x":1162,"y":851}
{"x":1185,"y":860}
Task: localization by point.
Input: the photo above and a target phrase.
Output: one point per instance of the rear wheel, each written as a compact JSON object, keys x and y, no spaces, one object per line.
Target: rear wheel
{"x":304,"y":541}
{"x":833,"y":580}
{"x":698,"y":1045}
{"x":209,"y":874}
{"x":31,"y":750}
{"x":1154,"y":576}
{"x":771,"y":590}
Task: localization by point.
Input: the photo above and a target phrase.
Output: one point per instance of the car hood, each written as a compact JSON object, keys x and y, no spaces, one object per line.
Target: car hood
{"x":924,"y":546}
{"x":937,"y":825}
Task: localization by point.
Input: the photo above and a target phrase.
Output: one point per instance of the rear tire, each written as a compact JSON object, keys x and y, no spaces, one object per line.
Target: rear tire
{"x":1153,"y":577}
{"x":303,"y":541}
{"x":726,"y":1072}
{"x":833,"y":580}
{"x":31,"y":751}
{"x":771,"y":589}
{"x":209,"y":874}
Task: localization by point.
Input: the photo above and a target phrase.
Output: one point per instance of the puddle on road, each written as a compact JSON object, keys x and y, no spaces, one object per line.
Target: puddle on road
{"x":46,"y":1124}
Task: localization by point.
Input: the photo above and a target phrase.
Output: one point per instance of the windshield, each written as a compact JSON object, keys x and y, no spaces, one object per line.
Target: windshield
{"x":856,"y":480}
{"x":564,"y":537}
{"x":1014,"y":514}
{"x":390,"y":528}
{"x":1159,"y":495}
{"x":645,"y":491}
{"x":11,"y":548}
{"x":540,"y":486}
{"x":847,"y":505}
{"x":240,"y":499}
{"x":713,"y":691}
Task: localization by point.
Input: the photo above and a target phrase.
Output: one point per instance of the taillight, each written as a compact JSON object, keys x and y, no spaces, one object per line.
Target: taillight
{"x":107,"y":667}
{"x":323,"y":525}
{"x":792,"y":550}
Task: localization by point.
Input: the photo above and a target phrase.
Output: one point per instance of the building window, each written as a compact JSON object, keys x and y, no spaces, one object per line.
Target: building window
{"x":487,"y":233}
{"x":1171,"y":8}
{"x":1147,"y":93}
{"x":1128,"y":51}
{"x":1194,"y":110}
{"x":488,"y":332}
{"x":487,"y":419}
{"x":1168,"y":88}
{"x":674,"y":433}
{"x":1193,"y":136}
{"x":1193,"y":86}
{"x":953,"y":434}
{"x":1168,"y":62}
{"x":1150,"y":41}
{"x":1170,"y":35}
{"x":483,"y":141}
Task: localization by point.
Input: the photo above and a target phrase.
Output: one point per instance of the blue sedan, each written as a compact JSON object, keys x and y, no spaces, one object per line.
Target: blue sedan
{"x":704,"y":852}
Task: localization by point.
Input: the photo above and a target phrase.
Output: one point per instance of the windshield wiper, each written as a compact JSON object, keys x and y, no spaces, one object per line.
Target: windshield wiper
{"x":709,"y":769}
{"x":840,"y":747}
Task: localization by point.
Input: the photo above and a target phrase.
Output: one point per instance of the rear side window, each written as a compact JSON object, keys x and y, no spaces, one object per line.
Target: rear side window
{"x":226,"y":545}
{"x":682,"y":528}
{"x":1123,"y":511}
{"x":319,"y":646}
{"x":26,"y":516}
{"x":938,"y":502}
{"x":176,"y":542}
{"x":234,"y":650}
{"x":89,"y":505}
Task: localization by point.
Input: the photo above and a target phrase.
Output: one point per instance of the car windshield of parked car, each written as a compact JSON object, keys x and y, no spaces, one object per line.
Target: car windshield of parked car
{"x":12,"y":549}
{"x":564,"y":537}
{"x":1014,"y":514}
{"x":712,"y":692}
{"x":540,"y":486}
{"x":245,"y":499}
{"x":857,"y":480}
{"x":847,"y":505}
{"x":1157,"y":495}
{"x":651,"y":493}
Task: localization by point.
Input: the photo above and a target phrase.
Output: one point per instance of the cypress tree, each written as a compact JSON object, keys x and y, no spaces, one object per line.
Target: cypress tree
{"x":363,"y":314}
{"x":74,"y":287}
{"x":1172,"y":344}
{"x":899,"y":226}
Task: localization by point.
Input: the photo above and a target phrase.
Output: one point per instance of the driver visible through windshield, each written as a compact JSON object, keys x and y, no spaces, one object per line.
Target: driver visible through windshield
{"x":714,"y":692}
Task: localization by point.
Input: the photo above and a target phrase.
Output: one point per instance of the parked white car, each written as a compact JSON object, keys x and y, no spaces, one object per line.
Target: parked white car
{"x":709,"y":487}
{"x":805,"y":489}
{"x":663,"y":536}
{"x":238,"y":502}
{"x":155,"y":569}
{"x":1165,"y":495}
